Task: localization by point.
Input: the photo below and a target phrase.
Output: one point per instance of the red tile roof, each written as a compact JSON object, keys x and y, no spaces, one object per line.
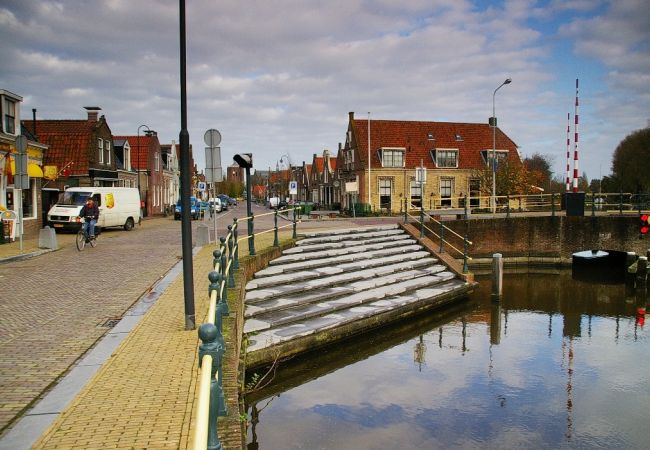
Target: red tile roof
{"x":414,"y":136}
{"x":141,"y":148}
{"x":68,"y":142}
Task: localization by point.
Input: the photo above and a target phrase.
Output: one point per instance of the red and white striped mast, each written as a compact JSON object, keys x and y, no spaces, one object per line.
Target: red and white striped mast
{"x":575,"y":145}
{"x":568,"y":152}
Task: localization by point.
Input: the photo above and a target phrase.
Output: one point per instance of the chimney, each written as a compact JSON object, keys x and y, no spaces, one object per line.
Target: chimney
{"x":93,"y":113}
{"x":351,"y":114}
{"x":34,"y":123}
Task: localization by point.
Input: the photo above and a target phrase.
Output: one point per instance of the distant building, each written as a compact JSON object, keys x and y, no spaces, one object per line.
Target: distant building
{"x":451,"y":152}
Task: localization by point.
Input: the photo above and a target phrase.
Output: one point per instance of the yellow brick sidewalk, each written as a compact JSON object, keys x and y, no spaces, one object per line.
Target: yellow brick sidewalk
{"x":143,"y":396}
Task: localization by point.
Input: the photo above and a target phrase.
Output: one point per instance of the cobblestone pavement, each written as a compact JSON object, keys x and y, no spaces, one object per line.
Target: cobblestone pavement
{"x":54,"y":307}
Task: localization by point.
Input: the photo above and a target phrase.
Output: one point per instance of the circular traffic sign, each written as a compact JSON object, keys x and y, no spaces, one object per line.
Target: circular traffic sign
{"x":212,"y":137}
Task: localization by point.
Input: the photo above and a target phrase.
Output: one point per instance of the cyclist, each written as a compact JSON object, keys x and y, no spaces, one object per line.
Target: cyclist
{"x":90,"y":212}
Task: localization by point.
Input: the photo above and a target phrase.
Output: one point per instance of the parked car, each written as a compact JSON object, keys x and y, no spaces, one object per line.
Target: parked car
{"x":204,"y":207}
{"x":215,"y":205}
{"x":227,"y":201}
{"x":194,"y":209}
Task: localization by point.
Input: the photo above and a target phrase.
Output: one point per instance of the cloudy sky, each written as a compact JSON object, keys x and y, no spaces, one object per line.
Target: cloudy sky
{"x":278,"y":77}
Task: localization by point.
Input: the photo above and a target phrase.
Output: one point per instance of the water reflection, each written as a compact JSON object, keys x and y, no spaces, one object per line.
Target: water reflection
{"x":556,"y":363}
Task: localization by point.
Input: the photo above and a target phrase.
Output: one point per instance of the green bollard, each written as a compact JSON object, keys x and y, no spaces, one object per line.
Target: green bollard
{"x":251,"y":236}
{"x":295,"y":235}
{"x":235,"y":227}
{"x":553,"y":204}
{"x":276,"y":242}
{"x":593,"y":204}
{"x":507,"y":206}
{"x":216,"y":257}
{"x":442,"y":236}
{"x":421,"y":222}
{"x":405,"y":211}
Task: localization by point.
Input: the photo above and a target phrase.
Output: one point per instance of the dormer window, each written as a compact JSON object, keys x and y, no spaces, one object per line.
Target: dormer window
{"x":392,"y":157}
{"x":501,"y":155}
{"x":445,"y":158}
{"x":430,"y":137}
{"x":458,"y":137}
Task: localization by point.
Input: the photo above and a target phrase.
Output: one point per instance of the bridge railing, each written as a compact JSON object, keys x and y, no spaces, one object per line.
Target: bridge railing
{"x":552,"y":203}
{"x":211,"y":402}
{"x":440,"y":232}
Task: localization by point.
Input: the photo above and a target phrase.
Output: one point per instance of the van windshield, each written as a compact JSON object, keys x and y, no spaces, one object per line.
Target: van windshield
{"x":69,"y":198}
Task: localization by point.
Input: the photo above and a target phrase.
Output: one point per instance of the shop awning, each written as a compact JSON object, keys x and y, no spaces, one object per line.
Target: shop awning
{"x":33,"y":169}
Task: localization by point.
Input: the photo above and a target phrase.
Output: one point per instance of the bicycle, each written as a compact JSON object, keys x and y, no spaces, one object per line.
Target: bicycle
{"x":83,"y":239}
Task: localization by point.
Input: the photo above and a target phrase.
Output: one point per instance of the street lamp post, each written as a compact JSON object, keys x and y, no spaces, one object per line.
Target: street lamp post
{"x":493,"y":121}
{"x":137,"y":169}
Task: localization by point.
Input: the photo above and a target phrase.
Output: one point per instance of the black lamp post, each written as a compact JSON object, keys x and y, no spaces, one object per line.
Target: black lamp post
{"x":245,"y":160}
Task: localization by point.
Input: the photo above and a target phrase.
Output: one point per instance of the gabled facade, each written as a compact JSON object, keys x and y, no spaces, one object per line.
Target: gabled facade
{"x":126,"y":175}
{"x":324,"y":183}
{"x":33,"y":202}
{"x":171,"y":174}
{"x":147,"y":162}
{"x":80,"y":151}
{"x":452,"y":153}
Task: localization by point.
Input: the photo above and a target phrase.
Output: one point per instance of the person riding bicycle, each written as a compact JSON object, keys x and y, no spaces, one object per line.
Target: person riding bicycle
{"x":90,"y":212}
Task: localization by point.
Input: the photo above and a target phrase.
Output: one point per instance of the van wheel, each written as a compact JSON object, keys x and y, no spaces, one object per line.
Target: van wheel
{"x":128,"y":226}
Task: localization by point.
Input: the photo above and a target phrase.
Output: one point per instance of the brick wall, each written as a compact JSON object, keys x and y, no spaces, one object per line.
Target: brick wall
{"x":556,"y":237}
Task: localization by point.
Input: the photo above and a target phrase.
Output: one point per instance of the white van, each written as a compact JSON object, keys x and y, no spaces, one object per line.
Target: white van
{"x":118,"y":207}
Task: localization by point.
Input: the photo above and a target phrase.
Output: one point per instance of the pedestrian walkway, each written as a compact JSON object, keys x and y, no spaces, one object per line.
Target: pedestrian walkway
{"x":143,"y":395}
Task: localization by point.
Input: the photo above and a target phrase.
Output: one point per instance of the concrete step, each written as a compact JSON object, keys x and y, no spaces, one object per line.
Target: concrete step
{"x":306,"y":248}
{"x":343,"y":231}
{"x":337,"y":260}
{"x":347,"y":250}
{"x":304,"y":311}
{"x":329,"y":290}
{"x":348,"y":235}
{"x":272,"y":281}
{"x":437,"y":294}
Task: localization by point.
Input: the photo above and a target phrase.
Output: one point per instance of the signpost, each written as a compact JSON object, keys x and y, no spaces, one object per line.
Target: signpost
{"x":213,"y":172}
{"x":21,"y":181}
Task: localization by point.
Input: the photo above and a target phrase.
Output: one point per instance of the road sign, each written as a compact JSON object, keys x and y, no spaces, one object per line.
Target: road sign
{"x":214,"y":175}
{"x":212,"y":138}
{"x":293,"y":187}
{"x":201,"y":186}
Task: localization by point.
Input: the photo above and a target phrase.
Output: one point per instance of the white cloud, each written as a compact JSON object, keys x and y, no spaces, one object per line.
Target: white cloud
{"x":278,"y":77}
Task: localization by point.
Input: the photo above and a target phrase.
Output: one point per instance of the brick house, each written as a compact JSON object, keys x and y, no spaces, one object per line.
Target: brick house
{"x":33,"y":201}
{"x":452,"y":153}
{"x":147,"y":161}
{"x":323,"y":181}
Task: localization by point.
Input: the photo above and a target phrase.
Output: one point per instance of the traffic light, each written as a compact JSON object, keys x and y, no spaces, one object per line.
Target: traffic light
{"x":644,"y":226}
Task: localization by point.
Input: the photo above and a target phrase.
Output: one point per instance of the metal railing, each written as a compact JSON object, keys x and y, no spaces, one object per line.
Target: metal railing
{"x":594,"y":202}
{"x":442,"y":228}
{"x":211,"y":401}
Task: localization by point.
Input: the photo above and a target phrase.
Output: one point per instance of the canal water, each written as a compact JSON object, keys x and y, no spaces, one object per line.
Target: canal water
{"x":557,"y":363}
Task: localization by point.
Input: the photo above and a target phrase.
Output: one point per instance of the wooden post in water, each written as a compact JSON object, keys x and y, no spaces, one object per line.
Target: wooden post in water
{"x":630,"y":258}
{"x":642,"y":272}
{"x":497,"y":276}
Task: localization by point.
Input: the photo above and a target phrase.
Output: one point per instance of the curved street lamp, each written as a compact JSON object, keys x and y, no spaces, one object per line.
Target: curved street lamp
{"x":138,"y":168}
{"x":494,"y":141}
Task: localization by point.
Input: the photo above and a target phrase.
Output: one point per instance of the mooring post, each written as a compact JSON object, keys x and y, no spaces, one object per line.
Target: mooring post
{"x":497,"y":276}
{"x":630,"y":272}
{"x":642,"y":272}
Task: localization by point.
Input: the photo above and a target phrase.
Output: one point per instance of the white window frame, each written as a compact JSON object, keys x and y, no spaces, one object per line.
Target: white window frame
{"x":9,"y":104}
{"x":443,"y":162}
{"x":446,"y":198}
{"x":388,"y":154}
{"x":108,"y":152}
{"x":156,"y":157}
{"x":100,"y":149}
{"x":501,"y":155}
{"x":126,"y":154}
